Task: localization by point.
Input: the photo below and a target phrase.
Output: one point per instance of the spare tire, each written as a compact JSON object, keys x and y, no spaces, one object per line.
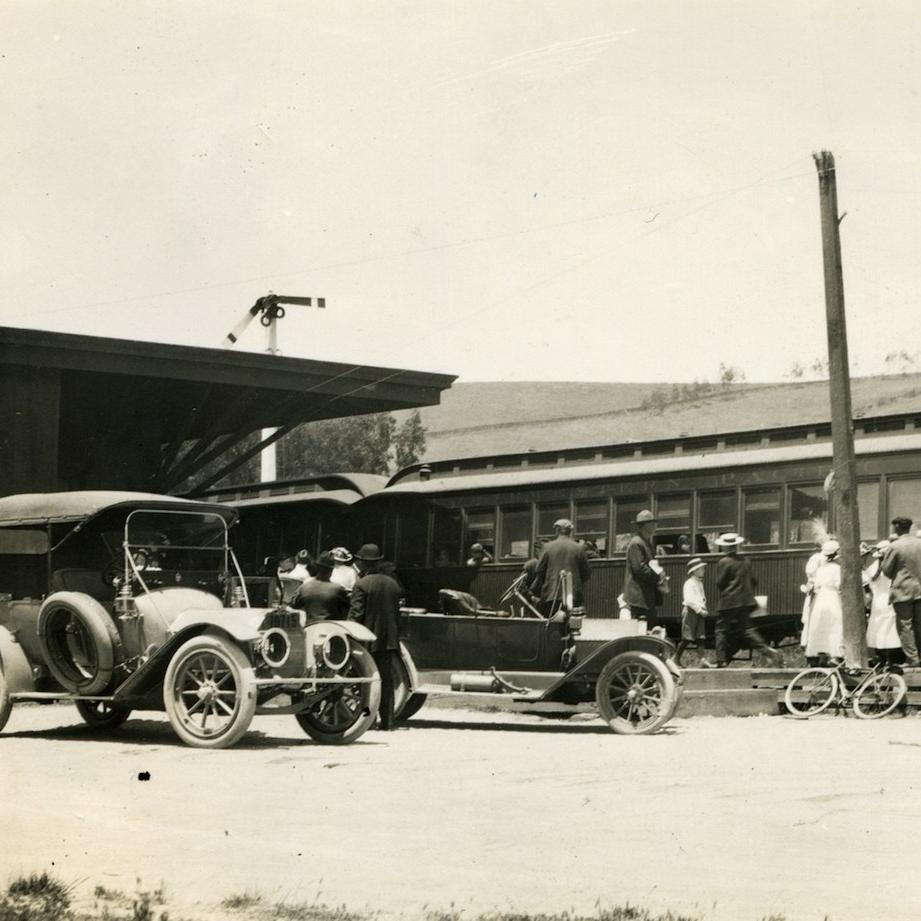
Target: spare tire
{"x":79,"y":641}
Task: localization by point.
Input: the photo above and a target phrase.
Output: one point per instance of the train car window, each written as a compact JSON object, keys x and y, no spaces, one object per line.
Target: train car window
{"x":481,"y":529}
{"x":761,"y":515}
{"x":413,"y":537}
{"x":868,"y":505}
{"x":546,"y":515}
{"x":716,"y":514}
{"x":905,"y":500}
{"x":624,"y":517}
{"x":807,"y":515}
{"x":515,"y":533}
{"x":446,"y":536}
{"x":674,"y":531}
{"x":592,"y":527}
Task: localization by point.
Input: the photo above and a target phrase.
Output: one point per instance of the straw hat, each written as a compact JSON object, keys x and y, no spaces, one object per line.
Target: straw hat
{"x":830,"y":549}
{"x":731,"y":539}
{"x":695,"y":564}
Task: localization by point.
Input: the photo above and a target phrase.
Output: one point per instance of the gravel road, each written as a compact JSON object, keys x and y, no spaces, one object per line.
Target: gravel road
{"x":725,"y":818}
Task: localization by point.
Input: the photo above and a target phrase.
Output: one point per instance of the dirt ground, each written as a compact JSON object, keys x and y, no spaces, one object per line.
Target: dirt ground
{"x":724,"y":818}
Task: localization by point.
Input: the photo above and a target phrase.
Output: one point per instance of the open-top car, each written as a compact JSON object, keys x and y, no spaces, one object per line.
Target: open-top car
{"x":132,"y":601}
{"x":539,"y":663}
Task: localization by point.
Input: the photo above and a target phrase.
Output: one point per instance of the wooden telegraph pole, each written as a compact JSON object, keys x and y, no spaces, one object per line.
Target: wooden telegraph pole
{"x":844,"y":466}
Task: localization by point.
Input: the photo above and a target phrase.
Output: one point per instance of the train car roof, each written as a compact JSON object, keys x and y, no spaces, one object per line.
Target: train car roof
{"x":645,"y":466}
{"x":80,"y":505}
{"x":336,"y":496}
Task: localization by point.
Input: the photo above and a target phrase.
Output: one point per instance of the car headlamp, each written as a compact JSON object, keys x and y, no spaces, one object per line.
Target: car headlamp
{"x":275,"y":647}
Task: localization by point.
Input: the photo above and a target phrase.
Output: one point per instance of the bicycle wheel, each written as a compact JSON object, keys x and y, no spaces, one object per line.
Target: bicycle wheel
{"x":880,"y":696}
{"x":811,"y":691}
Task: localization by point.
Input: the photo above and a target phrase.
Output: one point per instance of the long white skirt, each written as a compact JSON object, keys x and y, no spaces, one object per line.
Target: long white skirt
{"x":881,"y":628}
{"x":826,"y":630}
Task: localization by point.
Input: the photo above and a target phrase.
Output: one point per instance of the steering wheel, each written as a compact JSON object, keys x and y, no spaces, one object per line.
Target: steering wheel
{"x":114,"y":569}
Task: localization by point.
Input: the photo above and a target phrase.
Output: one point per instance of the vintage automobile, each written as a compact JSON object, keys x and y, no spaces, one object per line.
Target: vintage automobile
{"x":133,"y":601}
{"x":533,"y":663}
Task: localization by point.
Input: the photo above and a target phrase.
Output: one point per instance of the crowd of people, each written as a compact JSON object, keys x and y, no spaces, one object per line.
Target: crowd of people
{"x":340,"y":586}
{"x":892,"y":594}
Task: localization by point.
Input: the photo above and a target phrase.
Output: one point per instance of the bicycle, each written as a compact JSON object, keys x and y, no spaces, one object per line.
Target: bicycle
{"x":876,"y":694}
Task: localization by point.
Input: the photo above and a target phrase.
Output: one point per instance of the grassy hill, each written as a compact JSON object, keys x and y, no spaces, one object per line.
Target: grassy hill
{"x":499,"y":418}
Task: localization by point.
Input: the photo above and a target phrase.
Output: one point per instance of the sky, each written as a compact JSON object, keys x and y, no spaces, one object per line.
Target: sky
{"x":585,"y":191}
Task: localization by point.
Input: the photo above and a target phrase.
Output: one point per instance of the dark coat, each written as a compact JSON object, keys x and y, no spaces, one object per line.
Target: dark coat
{"x":641,"y":582}
{"x":902,"y":563}
{"x":322,"y":599}
{"x":736,"y":583}
{"x":376,"y":604}
{"x":562,"y":553}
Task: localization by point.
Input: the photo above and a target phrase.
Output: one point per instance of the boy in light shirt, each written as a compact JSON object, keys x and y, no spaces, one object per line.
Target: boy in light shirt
{"x":693,"y":611}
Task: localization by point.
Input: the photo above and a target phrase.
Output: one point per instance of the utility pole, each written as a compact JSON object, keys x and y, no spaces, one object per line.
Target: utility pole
{"x":844,"y":466}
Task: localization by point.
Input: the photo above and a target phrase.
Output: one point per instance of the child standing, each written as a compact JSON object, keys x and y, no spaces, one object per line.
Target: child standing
{"x":693,"y":611}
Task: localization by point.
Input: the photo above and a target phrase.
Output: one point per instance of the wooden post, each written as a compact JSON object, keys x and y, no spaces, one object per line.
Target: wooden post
{"x":844,"y":466}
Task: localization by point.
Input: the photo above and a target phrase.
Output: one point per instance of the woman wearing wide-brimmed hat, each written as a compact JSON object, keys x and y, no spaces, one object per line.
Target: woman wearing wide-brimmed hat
{"x":736,"y":582}
{"x":825,"y":636}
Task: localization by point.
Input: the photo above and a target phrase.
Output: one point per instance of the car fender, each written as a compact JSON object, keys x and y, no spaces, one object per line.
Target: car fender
{"x":593,"y":663}
{"x":358,"y":632}
{"x":16,"y":669}
{"x":410,"y":667}
{"x":152,"y":672}
{"x":242,"y":624}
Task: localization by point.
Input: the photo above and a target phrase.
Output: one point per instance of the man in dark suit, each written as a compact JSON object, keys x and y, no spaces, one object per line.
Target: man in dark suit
{"x":736,"y":583}
{"x":642,"y":580}
{"x":376,"y":604}
{"x":902,"y":564}
{"x":320,"y":597}
{"x":560,"y":554}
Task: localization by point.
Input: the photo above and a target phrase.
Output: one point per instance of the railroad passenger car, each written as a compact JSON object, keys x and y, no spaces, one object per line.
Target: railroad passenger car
{"x":770,"y":485}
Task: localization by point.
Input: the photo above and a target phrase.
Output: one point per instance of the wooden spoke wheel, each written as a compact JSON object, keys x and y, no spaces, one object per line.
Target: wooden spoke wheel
{"x":210,"y":692}
{"x":636,"y":693}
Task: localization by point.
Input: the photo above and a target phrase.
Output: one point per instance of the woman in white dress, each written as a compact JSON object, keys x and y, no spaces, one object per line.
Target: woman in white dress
{"x":882,"y":635}
{"x":825,"y":635}
{"x":808,"y":588}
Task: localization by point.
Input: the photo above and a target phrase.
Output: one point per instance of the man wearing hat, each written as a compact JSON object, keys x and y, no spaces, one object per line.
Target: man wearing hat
{"x":560,"y":554}
{"x":693,"y":611}
{"x":320,"y":597}
{"x":642,"y":580}
{"x":902,"y":564}
{"x":736,"y":583}
{"x":376,"y":604}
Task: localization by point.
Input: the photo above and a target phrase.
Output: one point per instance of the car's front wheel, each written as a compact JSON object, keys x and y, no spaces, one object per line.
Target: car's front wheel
{"x":101,"y":714}
{"x":350,"y":710}
{"x":636,"y":693}
{"x":210,"y":692}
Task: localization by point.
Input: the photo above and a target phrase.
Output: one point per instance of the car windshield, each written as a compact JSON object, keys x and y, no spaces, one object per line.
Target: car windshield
{"x":177,"y":540}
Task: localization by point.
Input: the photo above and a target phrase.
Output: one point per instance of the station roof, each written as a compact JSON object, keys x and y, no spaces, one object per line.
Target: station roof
{"x":86,"y":412}
{"x":201,"y":391}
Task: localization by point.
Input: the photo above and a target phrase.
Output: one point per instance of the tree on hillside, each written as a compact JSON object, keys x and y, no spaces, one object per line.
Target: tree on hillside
{"x":409,"y":443}
{"x":358,"y":444}
{"x":730,"y":375}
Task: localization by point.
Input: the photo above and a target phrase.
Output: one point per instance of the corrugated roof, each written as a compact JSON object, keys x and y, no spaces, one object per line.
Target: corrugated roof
{"x":647,"y":466}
